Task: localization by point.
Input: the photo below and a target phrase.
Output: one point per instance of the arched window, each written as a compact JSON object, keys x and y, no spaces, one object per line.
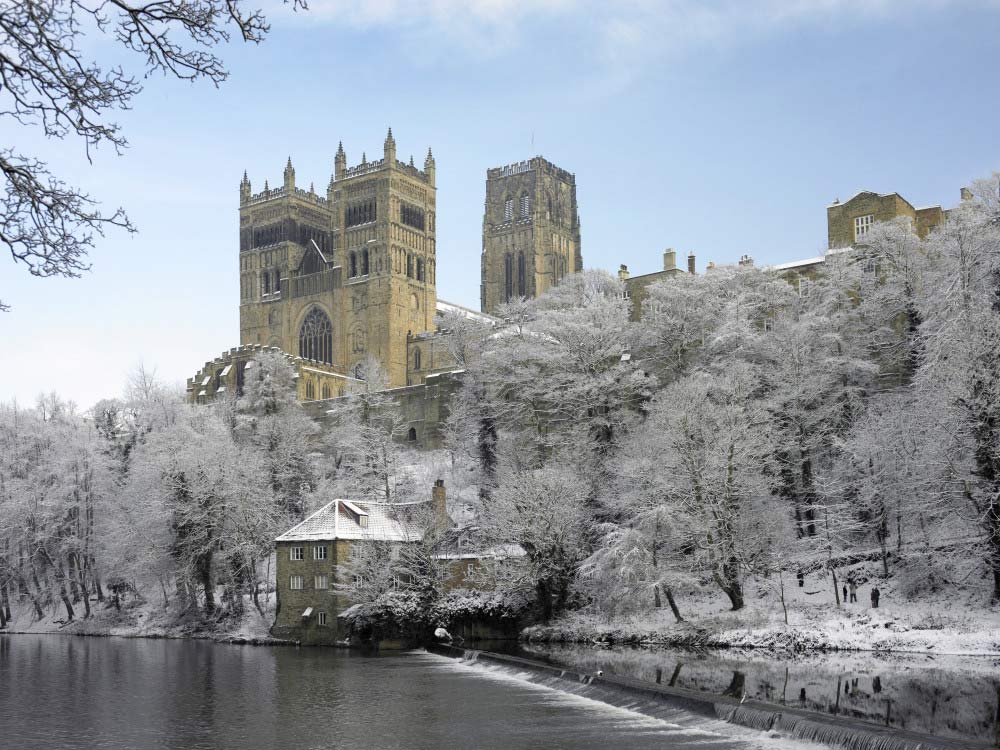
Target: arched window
{"x":326,"y":390}
{"x":508,"y":278}
{"x":364,"y":262}
{"x":277,"y":280}
{"x":409,"y":265}
{"x":265,"y":282}
{"x":416,"y":359}
{"x":310,"y":390}
{"x":420,"y":269}
{"x":520,"y":275}
{"x":316,"y":337}
{"x":353,"y":265}
{"x":411,"y":434}
{"x":525,"y":205}
{"x":414,"y":301}
{"x":508,"y":209}
{"x":357,"y":340}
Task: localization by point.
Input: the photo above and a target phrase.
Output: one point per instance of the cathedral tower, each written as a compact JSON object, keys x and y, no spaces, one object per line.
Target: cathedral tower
{"x":333,"y":278}
{"x":531,"y":231}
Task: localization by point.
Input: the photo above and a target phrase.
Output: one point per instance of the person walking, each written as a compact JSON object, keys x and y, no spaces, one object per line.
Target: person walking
{"x":854,"y":592}
{"x":845,"y":593}
{"x":875,"y":596}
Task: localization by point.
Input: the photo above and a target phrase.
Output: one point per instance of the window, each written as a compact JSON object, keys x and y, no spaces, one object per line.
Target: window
{"x":804,"y":285}
{"x":409,"y":265}
{"x":316,"y":337}
{"x":862,"y":224}
{"x":353,"y":265}
{"x":395,"y":582}
{"x":321,"y":583}
{"x":358,"y":342}
{"x":310,"y":390}
{"x":420,"y":269}
{"x":319,"y":553}
{"x":364,"y":262}
{"x":296,"y":553}
{"x":520,"y":275}
{"x":277,"y":281}
{"x":470,"y":569}
{"x":265,"y":282}
{"x":359,"y":582}
{"x":321,"y":618}
{"x":508,"y":209}
{"x":525,"y":205}
{"x":296,"y":583}
{"x":411,"y":434}
{"x":416,"y":359}
{"x":326,"y":390}
{"x":508,"y":277}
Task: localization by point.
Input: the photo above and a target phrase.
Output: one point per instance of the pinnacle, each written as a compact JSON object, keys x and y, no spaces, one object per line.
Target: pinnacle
{"x":340,"y":148}
{"x":411,"y":160}
{"x":364,"y":158}
{"x":289,"y":164}
{"x":389,"y":135}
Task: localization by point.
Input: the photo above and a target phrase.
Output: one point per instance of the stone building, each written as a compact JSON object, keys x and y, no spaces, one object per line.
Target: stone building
{"x":531,"y":231}
{"x":635,"y":286}
{"x":848,"y":222}
{"x":333,"y":278}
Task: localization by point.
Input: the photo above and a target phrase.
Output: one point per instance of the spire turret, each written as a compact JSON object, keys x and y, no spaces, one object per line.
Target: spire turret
{"x":289,"y":176}
{"x":339,"y":162}
{"x":390,"y":149}
{"x":245,"y":191}
{"x":429,"y":166}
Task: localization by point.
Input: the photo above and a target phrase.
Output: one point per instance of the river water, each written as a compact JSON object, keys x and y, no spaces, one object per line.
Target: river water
{"x":136,"y":694}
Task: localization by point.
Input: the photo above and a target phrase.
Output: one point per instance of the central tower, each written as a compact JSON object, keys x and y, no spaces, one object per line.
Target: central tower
{"x":531,"y":231}
{"x":332,"y":279}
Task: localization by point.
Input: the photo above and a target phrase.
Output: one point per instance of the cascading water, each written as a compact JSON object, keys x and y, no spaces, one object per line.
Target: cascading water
{"x":687,"y":708}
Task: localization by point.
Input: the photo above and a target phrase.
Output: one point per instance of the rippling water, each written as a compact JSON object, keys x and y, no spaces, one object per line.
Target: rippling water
{"x":66,"y":692}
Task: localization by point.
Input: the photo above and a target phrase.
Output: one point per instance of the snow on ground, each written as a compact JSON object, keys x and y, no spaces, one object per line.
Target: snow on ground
{"x":144,"y":618}
{"x":959,"y":621}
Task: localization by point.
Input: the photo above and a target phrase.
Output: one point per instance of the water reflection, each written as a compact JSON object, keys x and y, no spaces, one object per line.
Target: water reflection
{"x":955,"y":697}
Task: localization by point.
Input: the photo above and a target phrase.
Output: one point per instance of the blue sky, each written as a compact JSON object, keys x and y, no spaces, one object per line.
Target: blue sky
{"x":716,"y":127}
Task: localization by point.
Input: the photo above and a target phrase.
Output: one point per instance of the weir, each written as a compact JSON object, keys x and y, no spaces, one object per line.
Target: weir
{"x":672,"y":704}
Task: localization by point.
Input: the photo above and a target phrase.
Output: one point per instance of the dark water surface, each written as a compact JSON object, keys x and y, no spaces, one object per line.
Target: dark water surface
{"x":70,"y":692}
{"x":946,"y":696}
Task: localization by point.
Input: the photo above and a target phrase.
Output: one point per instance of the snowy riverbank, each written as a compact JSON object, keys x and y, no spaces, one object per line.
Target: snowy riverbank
{"x":961,"y":623}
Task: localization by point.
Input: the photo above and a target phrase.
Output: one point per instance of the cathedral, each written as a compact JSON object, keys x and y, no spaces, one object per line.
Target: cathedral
{"x":330,"y":279}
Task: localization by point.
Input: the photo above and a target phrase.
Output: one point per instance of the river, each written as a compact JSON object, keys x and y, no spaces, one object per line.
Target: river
{"x":116,"y":693}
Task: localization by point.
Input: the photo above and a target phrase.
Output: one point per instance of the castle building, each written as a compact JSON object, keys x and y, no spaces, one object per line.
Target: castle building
{"x":334,"y":278}
{"x":531,"y":231}
{"x":635,"y":286}
{"x":848,"y":222}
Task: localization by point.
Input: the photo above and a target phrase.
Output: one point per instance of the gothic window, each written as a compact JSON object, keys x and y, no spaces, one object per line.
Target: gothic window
{"x":521,"y":291}
{"x":420,"y":269}
{"x":416,"y":359}
{"x":310,"y":390}
{"x":316,"y":337}
{"x":412,"y":216}
{"x":409,"y":266}
{"x":508,"y":209}
{"x":354,"y":265}
{"x":525,"y":205}
{"x":414,"y":302}
{"x":326,"y":390}
{"x":364,"y":262}
{"x":508,"y":278}
{"x":311,"y":262}
{"x":265,"y":282}
{"x":277,"y":280}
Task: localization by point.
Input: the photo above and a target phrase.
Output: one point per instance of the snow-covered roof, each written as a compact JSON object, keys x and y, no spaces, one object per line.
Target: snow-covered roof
{"x":360,"y":519}
{"x":466,"y":312}
{"x":499,"y":552}
{"x":799,"y":263}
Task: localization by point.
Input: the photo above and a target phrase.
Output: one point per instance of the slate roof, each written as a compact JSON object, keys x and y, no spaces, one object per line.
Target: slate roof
{"x":360,"y":519}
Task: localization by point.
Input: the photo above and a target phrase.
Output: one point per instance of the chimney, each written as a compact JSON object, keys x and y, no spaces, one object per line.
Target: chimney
{"x":669,"y":259}
{"x":690,"y":262}
{"x":746,"y":260}
{"x":966,"y":194}
{"x":439,"y":504}
{"x":623,"y":272}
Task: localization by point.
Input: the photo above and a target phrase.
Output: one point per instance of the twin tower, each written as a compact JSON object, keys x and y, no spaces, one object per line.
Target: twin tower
{"x":334,"y":278}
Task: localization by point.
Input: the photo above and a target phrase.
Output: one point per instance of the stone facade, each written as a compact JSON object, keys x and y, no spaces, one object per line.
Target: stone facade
{"x":635,"y":286}
{"x":847,"y":222}
{"x":332,"y":279}
{"x":531,"y":231}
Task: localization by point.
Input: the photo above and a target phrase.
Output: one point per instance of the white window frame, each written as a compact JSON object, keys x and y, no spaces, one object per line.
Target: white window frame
{"x":296,"y":553}
{"x":321,"y":618}
{"x":525,"y":206}
{"x":359,"y":581}
{"x":319,"y":552}
{"x":863,"y":224}
{"x":296,"y":579}
{"x":508,"y":209}
{"x":321,"y":582}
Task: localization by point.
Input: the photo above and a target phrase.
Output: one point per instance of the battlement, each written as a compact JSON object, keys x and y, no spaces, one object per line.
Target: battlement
{"x":270,"y":194}
{"x":536,"y":163}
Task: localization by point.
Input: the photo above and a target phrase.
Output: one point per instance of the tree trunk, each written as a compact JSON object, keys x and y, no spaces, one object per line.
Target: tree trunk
{"x":673,"y":604}
{"x":5,"y":602}
{"x":82,"y":583}
{"x":728,"y":579}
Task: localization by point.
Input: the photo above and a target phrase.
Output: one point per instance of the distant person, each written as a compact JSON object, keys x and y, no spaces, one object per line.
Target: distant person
{"x":801,"y":578}
{"x":876,"y":684}
{"x":854,"y":592}
{"x":875,"y":596}
{"x":845,"y":593}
